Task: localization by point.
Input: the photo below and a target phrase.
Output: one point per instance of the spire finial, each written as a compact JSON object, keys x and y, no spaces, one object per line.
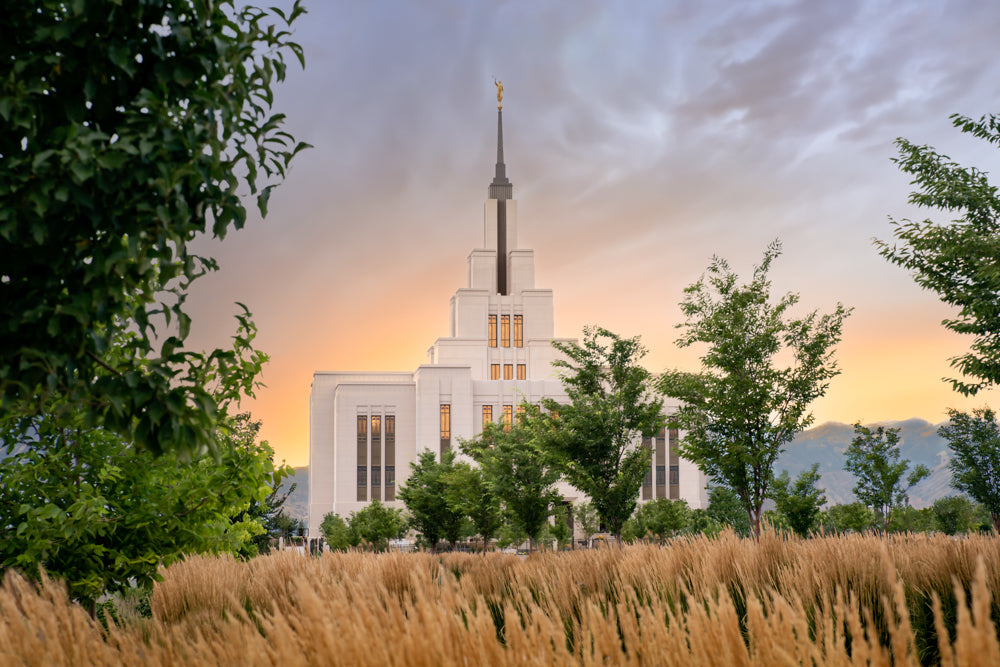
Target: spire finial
{"x":501,"y":187}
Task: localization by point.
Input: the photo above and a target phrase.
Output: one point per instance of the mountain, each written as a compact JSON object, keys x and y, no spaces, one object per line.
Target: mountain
{"x":297,"y":503}
{"x":825,"y":444}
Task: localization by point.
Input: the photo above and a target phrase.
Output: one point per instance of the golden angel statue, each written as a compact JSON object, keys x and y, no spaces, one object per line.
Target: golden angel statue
{"x":499,"y":85}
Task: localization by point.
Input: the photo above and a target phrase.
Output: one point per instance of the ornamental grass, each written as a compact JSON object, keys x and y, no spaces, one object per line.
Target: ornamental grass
{"x":846,"y":600}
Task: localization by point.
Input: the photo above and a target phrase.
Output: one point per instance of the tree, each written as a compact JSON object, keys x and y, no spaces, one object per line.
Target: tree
{"x":596,"y":437}
{"x":974,"y":440}
{"x":743,"y":407}
{"x":376,"y":524}
{"x":856,"y":517}
{"x":517,"y":471}
{"x":103,"y":515}
{"x":799,"y":502}
{"x":727,"y":509}
{"x":660,"y":518}
{"x":129,"y":129}
{"x":959,"y":260}
{"x":587,"y":519}
{"x":954,"y":515}
{"x":468,"y":491}
{"x":425,"y":495}
{"x":873,"y":458}
{"x":336,"y":532}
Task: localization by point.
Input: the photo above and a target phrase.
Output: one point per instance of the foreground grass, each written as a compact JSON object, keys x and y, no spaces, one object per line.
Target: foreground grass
{"x":840,"y":601}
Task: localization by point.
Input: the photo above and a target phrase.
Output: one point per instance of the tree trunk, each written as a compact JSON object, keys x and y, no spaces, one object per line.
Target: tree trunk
{"x":995,"y":519}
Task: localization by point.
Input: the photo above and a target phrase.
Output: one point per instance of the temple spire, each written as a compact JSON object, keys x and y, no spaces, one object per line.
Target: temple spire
{"x":501,"y":188}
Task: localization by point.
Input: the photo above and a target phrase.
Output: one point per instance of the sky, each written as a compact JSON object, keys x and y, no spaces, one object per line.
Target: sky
{"x":642,"y":139}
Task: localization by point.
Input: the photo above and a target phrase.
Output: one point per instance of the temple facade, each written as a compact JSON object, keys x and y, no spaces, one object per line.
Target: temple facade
{"x":366,"y":428}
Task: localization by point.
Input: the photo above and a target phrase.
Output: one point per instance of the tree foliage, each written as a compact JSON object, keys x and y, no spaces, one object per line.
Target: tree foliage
{"x":974,"y":440}
{"x":882,"y":483}
{"x":854,"y":517}
{"x":960,"y":260}
{"x":801,"y":501}
{"x":425,"y":495}
{"x":660,"y":519}
{"x":467,"y":490}
{"x":517,"y":471}
{"x":336,"y":532}
{"x":376,"y":524}
{"x":94,"y":510}
{"x":743,"y":407}
{"x":954,"y":515}
{"x":130,"y":128}
{"x":586,"y":519}
{"x":596,"y":436}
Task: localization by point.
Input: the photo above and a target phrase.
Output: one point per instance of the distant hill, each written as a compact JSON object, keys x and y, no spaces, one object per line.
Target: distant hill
{"x":297,"y":504}
{"x":825,"y":444}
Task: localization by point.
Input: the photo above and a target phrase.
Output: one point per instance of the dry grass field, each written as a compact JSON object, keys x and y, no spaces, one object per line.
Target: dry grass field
{"x":852,"y":600}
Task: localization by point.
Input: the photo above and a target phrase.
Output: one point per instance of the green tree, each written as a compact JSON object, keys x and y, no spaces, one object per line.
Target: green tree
{"x":376,"y":524}
{"x":336,"y":532}
{"x":425,"y":495}
{"x":959,"y":260}
{"x":742,"y":409}
{"x":559,"y":530}
{"x":596,"y":437}
{"x":974,"y":440}
{"x":129,"y":129}
{"x":468,"y":491}
{"x":856,"y":517}
{"x":587,"y":519}
{"x":727,"y":509}
{"x":873,"y":458}
{"x":94,"y":510}
{"x":517,"y":471}
{"x":801,"y":501}
{"x":954,"y":515}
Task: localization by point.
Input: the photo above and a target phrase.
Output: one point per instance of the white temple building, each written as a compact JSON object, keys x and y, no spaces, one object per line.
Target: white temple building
{"x":365,"y":428}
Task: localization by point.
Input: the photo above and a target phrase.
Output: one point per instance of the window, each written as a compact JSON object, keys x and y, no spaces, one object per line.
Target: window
{"x":661,"y":475}
{"x":522,"y":372}
{"x":362,"y":457}
{"x":675,"y":475}
{"x":520,"y":414}
{"x":505,"y":331}
{"x":508,"y":371}
{"x":487,"y":415}
{"x":508,"y":416}
{"x":390,"y":457}
{"x":519,"y":331}
{"x":493,"y":330}
{"x":376,"y":478}
{"x":494,"y":371}
{"x":445,"y":426}
{"x":376,"y":440}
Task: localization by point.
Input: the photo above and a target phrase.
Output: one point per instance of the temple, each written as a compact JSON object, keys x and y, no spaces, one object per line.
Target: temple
{"x":365,"y":428}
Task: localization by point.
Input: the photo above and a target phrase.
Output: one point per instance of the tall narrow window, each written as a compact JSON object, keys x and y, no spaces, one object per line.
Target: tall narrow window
{"x":390,"y":457}
{"x":494,"y":371}
{"x":508,"y":371}
{"x":647,"y":481}
{"x":487,"y":415}
{"x":508,"y":416}
{"x":362,"y":457}
{"x":376,"y":459}
{"x":520,"y":413}
{"x":493,"y":330}
{"x":445,"y":427}
{"x":519,"y":331}
{"x":661,"y":466}
{"x":505,"y":331}
{"x":522,"y":372}
{"x":675,"y":470}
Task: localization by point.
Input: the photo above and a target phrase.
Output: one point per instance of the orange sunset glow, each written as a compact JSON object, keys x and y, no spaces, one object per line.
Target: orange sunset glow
{"x":640,"y":142}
